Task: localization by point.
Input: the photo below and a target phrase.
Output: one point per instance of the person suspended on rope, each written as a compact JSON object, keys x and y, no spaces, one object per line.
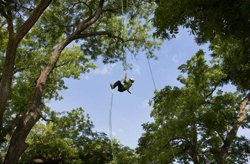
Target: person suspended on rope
{"x":123,"y":85}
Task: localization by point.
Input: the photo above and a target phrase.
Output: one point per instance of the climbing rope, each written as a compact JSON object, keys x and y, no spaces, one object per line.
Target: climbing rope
{"x":124,"y":63}
{"x":124,"y":58}
{"x":151,"y":73}
{"x":110,"y":117}
{"x":110,"y":128}
{"x":152,"y":77}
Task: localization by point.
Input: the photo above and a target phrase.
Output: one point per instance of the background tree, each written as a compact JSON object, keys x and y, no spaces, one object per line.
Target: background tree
{"x":197,"y":122}
{"x":225,"y":22}
{"x":44,"y":42}
{"x":70,"y":139}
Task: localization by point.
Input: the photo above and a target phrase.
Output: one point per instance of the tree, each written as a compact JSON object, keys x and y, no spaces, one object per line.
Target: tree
{"x":225,"y":22}
{"x":44,"y":42}
{"x":70,"y":139}
{"x":53,"y":141}
{"x":197,"y":122}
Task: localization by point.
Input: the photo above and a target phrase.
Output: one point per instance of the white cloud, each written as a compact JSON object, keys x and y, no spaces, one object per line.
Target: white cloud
{"x":105,"y":70}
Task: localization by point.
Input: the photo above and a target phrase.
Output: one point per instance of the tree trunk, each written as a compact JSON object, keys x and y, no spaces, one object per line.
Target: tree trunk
{"x":229,"y":139}
{"x":13,"y":42}
{"x":194,"y":146}
{"x":233,"y":132}
{"x":7,"y":77}
{"x":17,"y":144}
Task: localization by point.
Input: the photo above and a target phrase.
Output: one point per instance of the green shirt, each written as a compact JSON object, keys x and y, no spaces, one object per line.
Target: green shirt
{"x":127,"y":84}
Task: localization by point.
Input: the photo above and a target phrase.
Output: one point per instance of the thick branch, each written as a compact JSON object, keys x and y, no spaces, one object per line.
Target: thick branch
{"x":9,"y":19}
{"x":56,"y":54}
{"x":244,"y":108}
{"x":28,"y":24}
{"x":91,"y":20}
{"x":233,"y":132}
{"x":8,"y":65}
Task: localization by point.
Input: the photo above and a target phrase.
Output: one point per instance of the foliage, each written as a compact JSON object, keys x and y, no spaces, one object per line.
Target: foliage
{"x":45,"y":42}
{"x":192,"y":123}
{"x":235,"y":61}
{"x":70,"y":139}
{"x":224,"y":22}
{"x":205,"y":18}
{"x":199,"y":121}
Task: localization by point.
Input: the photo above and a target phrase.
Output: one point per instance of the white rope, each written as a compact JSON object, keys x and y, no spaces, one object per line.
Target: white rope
{"x":152,"y":77}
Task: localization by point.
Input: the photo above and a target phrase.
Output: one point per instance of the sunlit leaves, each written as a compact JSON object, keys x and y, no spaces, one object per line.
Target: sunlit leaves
{"x":195,"y":117}
{"x":70,"y":138}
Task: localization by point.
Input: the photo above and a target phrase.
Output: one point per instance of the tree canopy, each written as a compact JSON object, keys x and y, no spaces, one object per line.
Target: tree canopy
{"x":198,"y":122}
{"x":70,"y":139}
{"x":44,"y":42}
{"x":224,"y":22}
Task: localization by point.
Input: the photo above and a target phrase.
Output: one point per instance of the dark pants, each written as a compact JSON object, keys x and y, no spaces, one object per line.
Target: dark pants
{"x":119,"y":85}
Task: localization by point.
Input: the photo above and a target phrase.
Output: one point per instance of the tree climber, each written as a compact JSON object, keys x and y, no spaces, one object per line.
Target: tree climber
{"x":124,"y":85}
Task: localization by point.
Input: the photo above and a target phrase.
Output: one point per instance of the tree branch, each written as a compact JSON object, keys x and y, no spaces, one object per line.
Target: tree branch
{"x":90,"y":9}
{"x":28,"y":24}
{"x":212,"y":91}
{"x":233,"y":132}
{"x":9,"y":19}
{"x":45,"y":119}
{"x":91,"y":19}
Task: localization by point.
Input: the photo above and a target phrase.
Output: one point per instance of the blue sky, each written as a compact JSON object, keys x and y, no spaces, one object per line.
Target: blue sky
{"x":129,"y":111}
